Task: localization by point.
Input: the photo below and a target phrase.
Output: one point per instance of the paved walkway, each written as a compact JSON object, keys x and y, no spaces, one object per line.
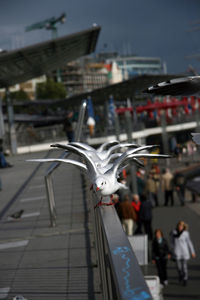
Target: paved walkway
{"x":37,"y":261}
{"x":40,"y":262}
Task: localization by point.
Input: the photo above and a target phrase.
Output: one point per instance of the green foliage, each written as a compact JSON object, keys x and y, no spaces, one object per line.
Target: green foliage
{"x":50,"y":90}
{"x":20,"y":95}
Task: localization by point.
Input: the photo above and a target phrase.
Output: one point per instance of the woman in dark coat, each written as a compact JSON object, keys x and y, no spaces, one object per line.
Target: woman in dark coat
{"x":145,"y":215}
{"x":160,"y":255}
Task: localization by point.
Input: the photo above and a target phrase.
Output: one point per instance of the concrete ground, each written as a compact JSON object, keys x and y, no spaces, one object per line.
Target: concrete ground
{"x":36,"y":260}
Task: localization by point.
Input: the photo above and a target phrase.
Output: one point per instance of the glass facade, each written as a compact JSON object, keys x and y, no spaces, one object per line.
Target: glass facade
{"x":134,"y":66}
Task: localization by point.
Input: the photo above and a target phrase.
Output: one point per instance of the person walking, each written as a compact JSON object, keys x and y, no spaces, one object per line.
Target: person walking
{"x":167,"y":186}
{"x":160,"y":255}
{"x":3,"y":162}
{"x":68,"y":126}
{"x":152,"y":188}
{"x":140,"y":179}
{"x":146,"y":215}
{"x":182,"y":249}
{"x":127,"y":215}
{"x":136,"y":203}
{"x":179,"y":182}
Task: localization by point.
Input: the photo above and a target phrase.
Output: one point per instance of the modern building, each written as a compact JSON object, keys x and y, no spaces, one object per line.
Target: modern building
{"x":72,"y":77}
{"x":95,"y":76}
{"x":83,"y":76}
{"x":135,"y":65}
{"x":87,"y":74}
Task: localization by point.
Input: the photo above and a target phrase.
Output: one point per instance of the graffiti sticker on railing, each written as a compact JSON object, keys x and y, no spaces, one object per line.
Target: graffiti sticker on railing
{"x":129,"y":293}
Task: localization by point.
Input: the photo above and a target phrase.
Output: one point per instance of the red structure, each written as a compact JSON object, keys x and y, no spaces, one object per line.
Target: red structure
{"x":169,"y":105}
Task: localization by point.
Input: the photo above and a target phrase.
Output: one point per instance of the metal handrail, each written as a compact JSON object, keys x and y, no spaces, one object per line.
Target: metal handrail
{"x":121,"y":275}
{"x":55,"y":165}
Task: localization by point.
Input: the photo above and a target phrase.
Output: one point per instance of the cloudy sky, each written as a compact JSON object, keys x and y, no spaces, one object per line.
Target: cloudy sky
{"x":156,"y":28}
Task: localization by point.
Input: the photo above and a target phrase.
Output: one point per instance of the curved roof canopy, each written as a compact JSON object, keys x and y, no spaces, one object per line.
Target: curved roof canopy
{"x":33,"y":61}
{"x":123,"y":90}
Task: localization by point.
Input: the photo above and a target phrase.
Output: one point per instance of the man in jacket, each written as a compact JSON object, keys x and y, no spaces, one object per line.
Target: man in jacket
{"x":127,"y":215}
{"x":167,"y":186}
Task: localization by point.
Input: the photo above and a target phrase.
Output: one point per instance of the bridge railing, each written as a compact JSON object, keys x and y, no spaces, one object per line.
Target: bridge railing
{"x":27,"y":135}
{"x":121,"y":276}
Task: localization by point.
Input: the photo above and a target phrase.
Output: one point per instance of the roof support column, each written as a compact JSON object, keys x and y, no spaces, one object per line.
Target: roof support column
{"x":165,"y":139}
{"x":11,"y":125}
{"x":129,"y":130}
{"x":2,"y":128}
{"x":117,"y":126}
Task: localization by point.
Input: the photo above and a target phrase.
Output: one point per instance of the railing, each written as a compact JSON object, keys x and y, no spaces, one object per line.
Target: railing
{"x":53,"y":166}
{"x":27,"y":135}
{"x":121,"y":276}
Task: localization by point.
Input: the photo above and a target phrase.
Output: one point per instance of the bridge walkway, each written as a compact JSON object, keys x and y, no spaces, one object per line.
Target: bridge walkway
{"x":37,"y":261}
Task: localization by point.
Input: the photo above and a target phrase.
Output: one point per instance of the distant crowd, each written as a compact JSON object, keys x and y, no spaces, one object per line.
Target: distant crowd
{"x":135,"y":213}
{"x":137,"y":207}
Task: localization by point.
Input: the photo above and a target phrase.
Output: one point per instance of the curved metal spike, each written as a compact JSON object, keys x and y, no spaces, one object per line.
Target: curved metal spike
{"x":68,"y":161}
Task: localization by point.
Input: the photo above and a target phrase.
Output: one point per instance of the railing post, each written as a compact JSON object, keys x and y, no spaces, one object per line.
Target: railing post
{"x":51,"y":201}
{"x":80,"y":121}
{"x":165,"y":140}
{"x":164,"y":132}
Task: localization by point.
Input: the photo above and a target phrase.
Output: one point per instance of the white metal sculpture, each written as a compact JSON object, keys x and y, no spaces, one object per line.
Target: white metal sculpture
{"x":103,"y":170}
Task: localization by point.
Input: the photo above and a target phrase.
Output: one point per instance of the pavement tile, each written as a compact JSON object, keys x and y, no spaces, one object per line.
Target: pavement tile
{"x":44,"y":259}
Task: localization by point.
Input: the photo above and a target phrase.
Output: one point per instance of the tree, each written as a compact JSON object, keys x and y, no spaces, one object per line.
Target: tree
{"x":20,"y":95}
{"x":50,"y":90}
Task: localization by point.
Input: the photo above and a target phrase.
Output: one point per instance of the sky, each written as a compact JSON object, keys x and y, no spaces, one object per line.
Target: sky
{"x":154,"y":28}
